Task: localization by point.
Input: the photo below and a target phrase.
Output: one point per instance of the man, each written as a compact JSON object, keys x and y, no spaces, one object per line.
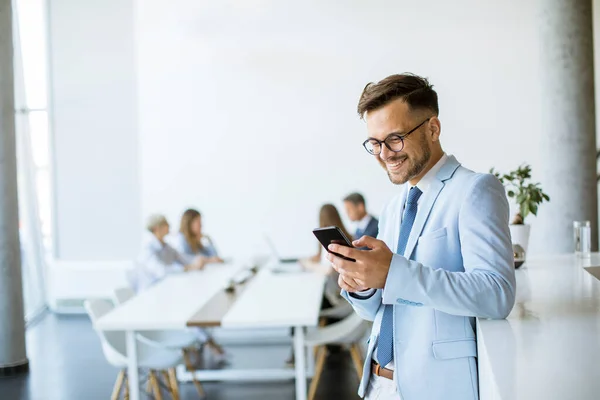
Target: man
{"x":444,"y":254}
{"x":366,"y":225}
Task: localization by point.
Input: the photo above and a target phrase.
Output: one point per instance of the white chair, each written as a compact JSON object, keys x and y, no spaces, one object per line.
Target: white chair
{"x":151,"y":355}
{"x":347,"y":332}
{"x":184,"y":340}
{"x":339,"y":311}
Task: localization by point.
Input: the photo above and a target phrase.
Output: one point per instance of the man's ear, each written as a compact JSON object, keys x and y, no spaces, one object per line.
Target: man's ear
{"x":435,"y":128}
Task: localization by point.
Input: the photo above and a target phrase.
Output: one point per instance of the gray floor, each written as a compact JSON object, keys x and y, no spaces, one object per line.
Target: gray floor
{"x":66,"y":362}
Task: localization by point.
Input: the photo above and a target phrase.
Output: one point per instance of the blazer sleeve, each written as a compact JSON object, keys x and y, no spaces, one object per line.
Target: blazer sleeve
{"x":487,"y":286}
{"x":366,"y":307}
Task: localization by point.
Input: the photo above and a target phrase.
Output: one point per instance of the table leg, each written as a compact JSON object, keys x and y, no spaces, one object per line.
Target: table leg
{"x":300,"y":361}
{"x":132,"y":366}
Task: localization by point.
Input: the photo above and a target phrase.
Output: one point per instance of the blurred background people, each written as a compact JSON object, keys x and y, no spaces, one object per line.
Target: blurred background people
{"x":157,"y":258}
{"x":365,"y":224}
{"x":329,"y":216}
{"x":191,"y":243}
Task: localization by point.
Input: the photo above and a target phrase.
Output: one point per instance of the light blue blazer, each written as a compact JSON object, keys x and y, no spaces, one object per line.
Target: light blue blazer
{"x":458,"y":265}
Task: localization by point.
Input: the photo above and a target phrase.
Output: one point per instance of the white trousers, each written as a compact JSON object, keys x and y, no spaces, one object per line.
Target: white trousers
{"x":381,"y":389}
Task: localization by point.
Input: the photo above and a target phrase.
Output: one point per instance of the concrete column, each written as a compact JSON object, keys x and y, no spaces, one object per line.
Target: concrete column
{"x":568,"y":140}
{"x":13,"y":357}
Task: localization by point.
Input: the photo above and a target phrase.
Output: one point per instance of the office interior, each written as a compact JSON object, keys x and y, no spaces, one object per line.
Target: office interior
{"x":245,"y":110}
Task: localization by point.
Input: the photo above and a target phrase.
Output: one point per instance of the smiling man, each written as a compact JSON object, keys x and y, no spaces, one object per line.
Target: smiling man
{"x":443,"y":254}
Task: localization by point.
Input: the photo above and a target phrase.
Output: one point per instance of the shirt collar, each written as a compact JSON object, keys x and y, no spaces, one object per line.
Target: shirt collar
{"x":429,"y":177}
{"x":362,"y":224}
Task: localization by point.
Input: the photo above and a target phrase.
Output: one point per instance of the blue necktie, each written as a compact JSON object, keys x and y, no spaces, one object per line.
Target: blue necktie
{"x":385,"y":345}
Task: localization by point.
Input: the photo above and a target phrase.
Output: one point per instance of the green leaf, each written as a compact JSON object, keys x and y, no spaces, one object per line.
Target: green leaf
{"x":533,"y":208}
{"x":518,"y":185}
{"x":524,"y":210}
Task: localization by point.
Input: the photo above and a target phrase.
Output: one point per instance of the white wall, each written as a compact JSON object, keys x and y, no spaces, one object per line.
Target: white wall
{"x":94,"y":129}
{"x":247,"y":109}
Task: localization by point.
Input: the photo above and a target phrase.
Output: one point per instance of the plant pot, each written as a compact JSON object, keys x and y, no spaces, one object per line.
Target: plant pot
{"x":520,"y":240}
{"x":520,"y":235}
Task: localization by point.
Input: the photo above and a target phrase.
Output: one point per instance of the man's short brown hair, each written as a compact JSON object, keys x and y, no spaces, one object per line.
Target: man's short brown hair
{"x":413,"y":89}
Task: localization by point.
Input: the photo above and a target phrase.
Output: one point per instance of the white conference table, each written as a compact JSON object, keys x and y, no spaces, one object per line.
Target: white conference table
{"x":270,"y":299}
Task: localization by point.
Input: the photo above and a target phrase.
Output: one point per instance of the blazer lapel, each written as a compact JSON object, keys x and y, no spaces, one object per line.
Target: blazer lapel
{"x":422,"y":213}
{"x":427,"y":202}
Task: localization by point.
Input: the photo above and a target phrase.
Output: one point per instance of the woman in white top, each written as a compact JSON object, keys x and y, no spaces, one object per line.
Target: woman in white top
{"x":157,"y":258}
{"x":191,"y":243}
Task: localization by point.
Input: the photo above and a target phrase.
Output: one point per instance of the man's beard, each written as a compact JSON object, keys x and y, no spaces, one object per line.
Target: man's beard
{"x":415,"y":166}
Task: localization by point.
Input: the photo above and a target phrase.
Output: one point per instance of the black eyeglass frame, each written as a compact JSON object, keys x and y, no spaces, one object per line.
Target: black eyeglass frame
{"x":392,"y":135}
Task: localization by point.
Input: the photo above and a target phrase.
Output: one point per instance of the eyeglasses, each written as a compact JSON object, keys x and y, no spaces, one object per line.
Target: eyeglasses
{"x":393,"y":142}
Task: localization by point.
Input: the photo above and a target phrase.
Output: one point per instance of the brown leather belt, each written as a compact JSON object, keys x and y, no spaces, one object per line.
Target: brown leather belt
{"x":383,"y":372}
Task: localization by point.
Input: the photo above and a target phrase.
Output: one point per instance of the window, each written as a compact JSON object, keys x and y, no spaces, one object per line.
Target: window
{"x":33,"y":160}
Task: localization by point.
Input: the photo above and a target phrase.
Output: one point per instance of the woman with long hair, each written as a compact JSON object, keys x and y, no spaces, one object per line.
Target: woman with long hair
{"x":191,"y":242}
{"x":329,"y":216}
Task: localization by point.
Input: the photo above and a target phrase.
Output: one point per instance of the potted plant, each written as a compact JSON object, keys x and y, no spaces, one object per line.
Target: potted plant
{"x":528,"y":196}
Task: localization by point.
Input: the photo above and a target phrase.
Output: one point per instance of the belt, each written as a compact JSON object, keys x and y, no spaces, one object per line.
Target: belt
{"x":376,"y":369}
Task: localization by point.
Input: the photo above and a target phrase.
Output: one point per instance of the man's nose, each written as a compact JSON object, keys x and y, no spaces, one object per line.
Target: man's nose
{"x":385,"y":153}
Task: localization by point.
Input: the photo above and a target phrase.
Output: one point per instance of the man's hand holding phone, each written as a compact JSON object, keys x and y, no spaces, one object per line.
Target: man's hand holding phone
{"x":350,"y":285}
{"x":370,"y":268}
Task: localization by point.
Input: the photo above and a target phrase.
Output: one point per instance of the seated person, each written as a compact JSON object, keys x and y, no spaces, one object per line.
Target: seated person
{"x":157,"y":258}
{"x":328,"y":216}
{"x":191,"y":243}
{"x":366,"y":224}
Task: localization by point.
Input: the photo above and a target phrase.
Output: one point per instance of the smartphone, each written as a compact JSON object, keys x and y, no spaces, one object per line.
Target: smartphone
{"x":333,"y":234}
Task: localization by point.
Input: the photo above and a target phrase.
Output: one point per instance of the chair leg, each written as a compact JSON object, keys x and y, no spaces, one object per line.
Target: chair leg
{"x":318,"y":370}
{"x":149,"y":382}
{"x":126,"y":395}
{"x":173,"y":383}
{"x":196,"y":352}
{"x":167,"y":382}
{"x":118,"y":385}
{"x":215,"y":347}
{"x":155,"y":386}
{"x":357,"y":359}
{"x":190,"y":368}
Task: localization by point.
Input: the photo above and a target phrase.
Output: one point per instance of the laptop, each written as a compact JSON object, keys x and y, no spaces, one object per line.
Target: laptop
{"x":276,"y":253}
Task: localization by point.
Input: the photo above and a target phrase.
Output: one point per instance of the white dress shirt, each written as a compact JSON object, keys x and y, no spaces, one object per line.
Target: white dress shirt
{"x":155,"y":261}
